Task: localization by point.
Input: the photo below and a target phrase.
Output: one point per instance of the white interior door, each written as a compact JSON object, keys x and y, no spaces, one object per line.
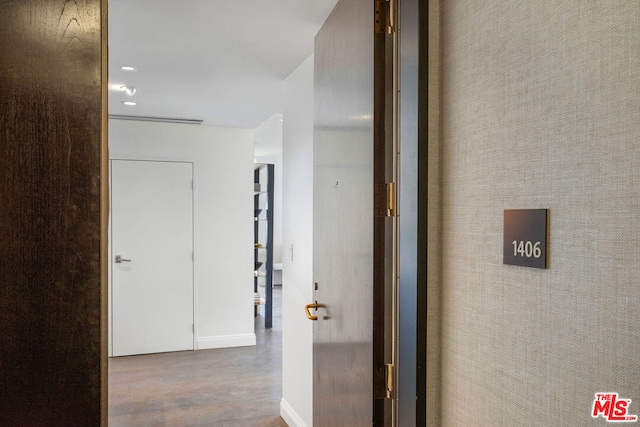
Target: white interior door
{"x":152,"y":256}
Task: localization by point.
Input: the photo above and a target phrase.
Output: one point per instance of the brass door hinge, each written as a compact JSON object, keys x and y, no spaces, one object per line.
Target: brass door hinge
{"x":385,"y":16}
{"x":391,"y":201}
{"x":389,"y":375}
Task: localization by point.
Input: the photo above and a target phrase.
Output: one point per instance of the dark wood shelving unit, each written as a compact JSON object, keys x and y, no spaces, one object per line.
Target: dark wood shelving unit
{"x":263,"y":237}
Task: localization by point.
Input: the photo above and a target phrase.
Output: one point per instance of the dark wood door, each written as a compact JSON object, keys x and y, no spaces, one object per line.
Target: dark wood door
{"x":51,"y":158}
{"x":350,"y":222}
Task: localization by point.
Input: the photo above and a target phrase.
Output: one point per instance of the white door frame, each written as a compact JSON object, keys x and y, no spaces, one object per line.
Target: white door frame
{"x":194,"y":240}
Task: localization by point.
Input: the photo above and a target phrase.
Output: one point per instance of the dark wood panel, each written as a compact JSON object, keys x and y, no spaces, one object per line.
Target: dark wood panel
{"x":50,"y":157}
{"x":383,"y":232}
{"x":428,"y":291}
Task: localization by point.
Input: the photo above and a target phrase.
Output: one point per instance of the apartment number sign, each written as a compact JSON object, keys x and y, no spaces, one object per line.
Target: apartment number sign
{"x":525,"y":237}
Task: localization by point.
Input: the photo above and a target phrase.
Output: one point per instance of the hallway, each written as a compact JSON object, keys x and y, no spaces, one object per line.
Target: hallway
{"x":231,"y":387}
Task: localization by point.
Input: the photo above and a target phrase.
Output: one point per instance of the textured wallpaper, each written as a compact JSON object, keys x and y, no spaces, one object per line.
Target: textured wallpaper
{"x":434,"y":261}
{"x":540,"y":109}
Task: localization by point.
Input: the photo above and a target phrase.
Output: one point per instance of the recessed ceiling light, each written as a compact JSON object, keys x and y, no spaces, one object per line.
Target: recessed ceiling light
{"x":130,"y":90}
{"x":128,"y":68}
{"x":129,"y":103}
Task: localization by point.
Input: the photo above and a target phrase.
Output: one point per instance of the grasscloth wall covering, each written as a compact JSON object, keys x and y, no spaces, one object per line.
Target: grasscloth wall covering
{"x":434,"y":246}
{"x":541,"y":109}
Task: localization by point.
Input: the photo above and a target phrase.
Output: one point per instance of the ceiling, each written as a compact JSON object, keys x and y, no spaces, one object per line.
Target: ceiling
{"x":222,"y":62}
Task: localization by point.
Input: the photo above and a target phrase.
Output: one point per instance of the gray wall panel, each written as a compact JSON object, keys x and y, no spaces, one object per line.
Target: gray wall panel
{"x":407,"y":221}
{"x":540,"y":110}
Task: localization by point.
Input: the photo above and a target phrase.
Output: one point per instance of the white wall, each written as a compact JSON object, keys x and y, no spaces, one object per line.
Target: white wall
{"x":223,"y":218}
{"x":297,"y":342}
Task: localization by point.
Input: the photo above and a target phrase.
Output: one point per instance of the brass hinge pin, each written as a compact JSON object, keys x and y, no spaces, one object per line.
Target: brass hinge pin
{"x":389,"y":371}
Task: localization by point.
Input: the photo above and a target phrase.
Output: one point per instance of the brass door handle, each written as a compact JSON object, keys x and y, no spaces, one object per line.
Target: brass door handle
{"x":315,"y":306}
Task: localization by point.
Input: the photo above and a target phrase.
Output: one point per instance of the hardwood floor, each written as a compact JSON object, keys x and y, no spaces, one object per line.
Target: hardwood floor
{"x":233,"y":387}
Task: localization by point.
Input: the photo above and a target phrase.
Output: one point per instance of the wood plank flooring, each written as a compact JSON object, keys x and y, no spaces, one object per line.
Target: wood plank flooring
{"x":233,"y":387}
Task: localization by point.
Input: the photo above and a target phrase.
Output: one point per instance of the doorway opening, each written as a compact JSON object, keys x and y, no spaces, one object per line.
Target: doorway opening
{"x":234,"y":384}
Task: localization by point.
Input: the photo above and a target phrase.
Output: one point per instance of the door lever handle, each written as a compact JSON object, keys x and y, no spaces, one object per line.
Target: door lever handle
{"x":120,"y":260}
{"x":315,"y":306}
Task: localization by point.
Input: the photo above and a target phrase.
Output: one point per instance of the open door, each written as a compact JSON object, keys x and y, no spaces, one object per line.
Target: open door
{"x":353,"y":218}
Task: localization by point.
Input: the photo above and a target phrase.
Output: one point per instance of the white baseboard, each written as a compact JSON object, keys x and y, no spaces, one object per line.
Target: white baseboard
{"x":224,"y":341}
{"x":290,"y":416}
